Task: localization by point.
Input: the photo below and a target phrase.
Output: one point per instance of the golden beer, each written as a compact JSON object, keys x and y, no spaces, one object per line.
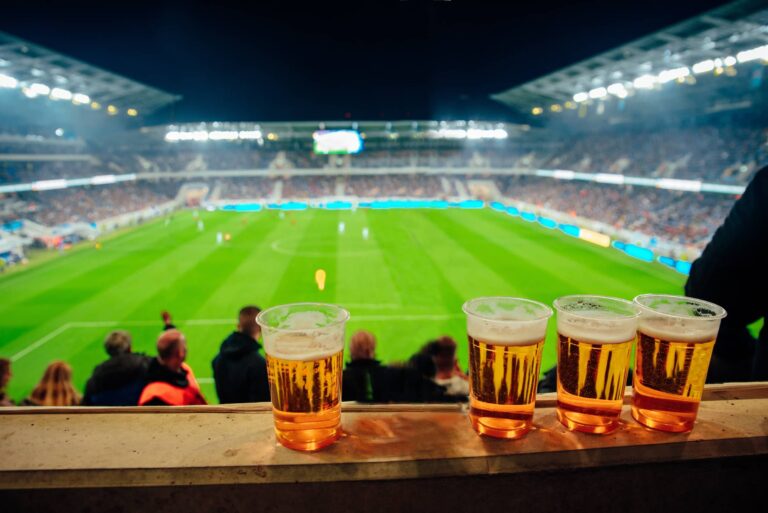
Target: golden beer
{"x":506,"y":337}
{"x":304,"y":344}
{"x":306,"y":400}
{"x":595,"y":337}
{"x":503,"y":387}
{"x":675,"y":342}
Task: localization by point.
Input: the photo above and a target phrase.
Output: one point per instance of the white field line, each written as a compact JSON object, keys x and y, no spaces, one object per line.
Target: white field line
{"x":24,"y":352}
{"x":209,"y":322}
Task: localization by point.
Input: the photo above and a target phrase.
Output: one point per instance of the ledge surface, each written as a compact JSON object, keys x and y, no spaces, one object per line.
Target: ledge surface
{"x":215,"y":445}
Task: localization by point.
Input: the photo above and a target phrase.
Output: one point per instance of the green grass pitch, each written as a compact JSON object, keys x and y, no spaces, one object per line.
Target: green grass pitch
{"x":406,"y":283}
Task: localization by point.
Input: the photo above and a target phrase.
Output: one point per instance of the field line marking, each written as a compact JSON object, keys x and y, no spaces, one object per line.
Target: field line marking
{"x":210,"y":322}
{"x":55,"y":333}
{"x":205,"y":380}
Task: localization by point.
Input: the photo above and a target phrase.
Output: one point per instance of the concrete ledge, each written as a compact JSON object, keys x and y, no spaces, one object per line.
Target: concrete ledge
{"x":226,"y":445}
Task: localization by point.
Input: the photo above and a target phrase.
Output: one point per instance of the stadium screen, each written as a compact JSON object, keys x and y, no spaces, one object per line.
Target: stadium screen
{"x":337,"y":142}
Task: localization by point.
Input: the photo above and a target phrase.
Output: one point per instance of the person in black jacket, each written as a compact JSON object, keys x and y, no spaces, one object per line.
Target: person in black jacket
{"x":733,"y":273}
{"x":119,"y":380}
{"x":365,"y":379}
{"x":239,"y":371}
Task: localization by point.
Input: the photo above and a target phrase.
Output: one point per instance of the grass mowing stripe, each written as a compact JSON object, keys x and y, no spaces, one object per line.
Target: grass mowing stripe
{"x":586,"y":253}
{"x":363,"y":276}
{"x":421,"y":281}
{"x":315,"y":249}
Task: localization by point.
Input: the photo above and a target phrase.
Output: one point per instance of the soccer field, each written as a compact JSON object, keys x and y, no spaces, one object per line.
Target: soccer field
{"x":406,"y":283}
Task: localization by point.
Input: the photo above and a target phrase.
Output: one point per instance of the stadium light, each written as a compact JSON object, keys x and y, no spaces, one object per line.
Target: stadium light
{"x":703,"y":66}
{"x":8,"y":81}
{"x":249,"y":134}
{"x":761,"y":52}
{"x":673,"y":74}
{"x":57,"y":93}
{"x":556,"y":107}
{"x":132,"y":112}
{"x":112,"y":110}
{"x":81,"y":99}
{"x":730,"y":60}
{"x":223,"y":135}
{"x":580,"y":97}
{"x":536,"y":111}
{"x":500,"y":133}
{"x":598,"y":92}
{"x":644,"y":82}
{"x":95,"y":105}
{"x":617,"y":89}
{"x":36,"y":89}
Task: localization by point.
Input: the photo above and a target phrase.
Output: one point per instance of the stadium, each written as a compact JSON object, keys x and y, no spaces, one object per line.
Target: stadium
{"x":609,"y":176}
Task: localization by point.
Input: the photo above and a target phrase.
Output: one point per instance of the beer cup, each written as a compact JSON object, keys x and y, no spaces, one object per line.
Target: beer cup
{"x":676,"y":336}
{"x":506,"y":336}
{"x":595,"y":336}
{"x":304,"y":343}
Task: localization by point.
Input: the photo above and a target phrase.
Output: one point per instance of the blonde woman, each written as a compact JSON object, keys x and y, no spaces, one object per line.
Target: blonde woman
{"x":55,"y":389}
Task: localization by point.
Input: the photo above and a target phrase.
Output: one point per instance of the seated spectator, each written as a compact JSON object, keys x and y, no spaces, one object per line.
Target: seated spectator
{"x":5,"y":377}
{"x":55,"y":389}
{"x":119,"y":380}
{"x":239,"y":371}
{"x":449,"y":375}
{"x":170,"y":381}
{"x":420,"y":382}
{"x":364,"y":378}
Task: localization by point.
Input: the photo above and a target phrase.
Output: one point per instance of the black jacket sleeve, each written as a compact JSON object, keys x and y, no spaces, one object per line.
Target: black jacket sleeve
{"x":258,"y":384}
{"x":733,"y":272}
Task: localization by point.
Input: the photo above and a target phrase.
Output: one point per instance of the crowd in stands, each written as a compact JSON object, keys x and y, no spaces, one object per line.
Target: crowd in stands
{"x":126,"y":378}
{"x":87,"y":204}
{"x":385,"y":186}
{"x":725,"y":154}
{"x":677,"y":216}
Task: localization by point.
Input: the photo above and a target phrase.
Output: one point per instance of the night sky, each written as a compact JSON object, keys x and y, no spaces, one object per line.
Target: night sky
{"x":389,"y":59}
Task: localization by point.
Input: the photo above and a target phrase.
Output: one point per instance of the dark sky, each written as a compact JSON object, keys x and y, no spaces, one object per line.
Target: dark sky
{"x":286,"y":60}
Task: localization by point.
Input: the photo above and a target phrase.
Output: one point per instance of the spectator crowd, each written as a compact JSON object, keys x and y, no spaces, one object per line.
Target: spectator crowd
{"x":126,"y":378}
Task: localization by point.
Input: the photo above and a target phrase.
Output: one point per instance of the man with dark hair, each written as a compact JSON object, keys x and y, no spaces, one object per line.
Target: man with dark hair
{"x":239,"y":370}
{"x":733,"y":273}
{"x":119,"y":380}
{"x":170,"y":381}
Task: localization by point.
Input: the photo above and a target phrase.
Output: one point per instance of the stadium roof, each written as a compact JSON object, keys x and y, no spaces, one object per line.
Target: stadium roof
{"x":31,"y":64}
{"x":711,"y":40}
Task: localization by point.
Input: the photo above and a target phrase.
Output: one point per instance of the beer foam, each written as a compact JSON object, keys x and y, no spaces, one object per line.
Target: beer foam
{"x":305,"y":346}
{"x":693,"y":330}
{"x":502,"y":332}
{"x":596,"y":326}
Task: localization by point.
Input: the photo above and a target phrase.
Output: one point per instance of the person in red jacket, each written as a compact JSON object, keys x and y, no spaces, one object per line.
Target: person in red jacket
{"x":170,"y":381}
